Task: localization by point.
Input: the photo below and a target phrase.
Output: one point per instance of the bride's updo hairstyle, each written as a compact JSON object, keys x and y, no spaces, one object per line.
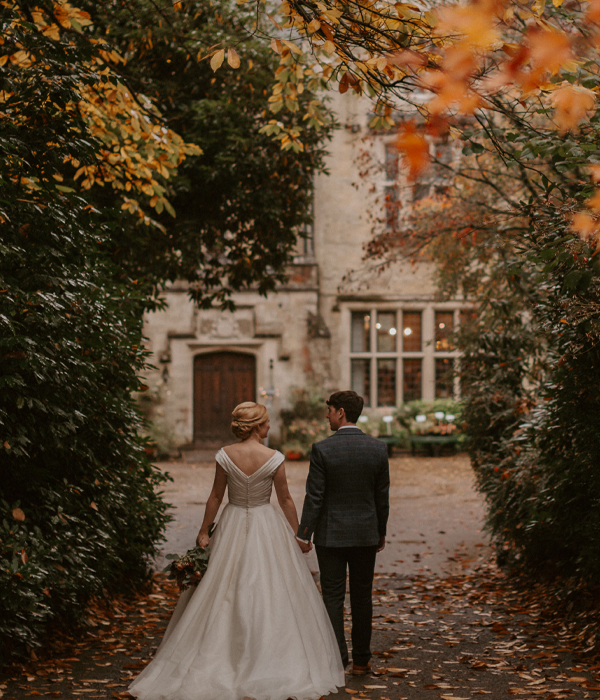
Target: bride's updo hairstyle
{"x":246,"y":417}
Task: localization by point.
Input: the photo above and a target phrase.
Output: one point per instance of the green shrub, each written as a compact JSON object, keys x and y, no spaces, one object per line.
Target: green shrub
{"x":79,"y":512}
{"x":304,"y":423}
{"x":406,"y":417}
{"x":532,"y":408}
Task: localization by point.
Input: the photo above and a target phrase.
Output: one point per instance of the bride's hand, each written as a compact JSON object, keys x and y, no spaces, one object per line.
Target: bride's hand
{"x":202,"y":540}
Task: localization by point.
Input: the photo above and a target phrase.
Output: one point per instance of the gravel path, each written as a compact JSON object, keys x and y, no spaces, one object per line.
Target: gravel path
{"x":436,"y":515}
{"x":447,"y":623}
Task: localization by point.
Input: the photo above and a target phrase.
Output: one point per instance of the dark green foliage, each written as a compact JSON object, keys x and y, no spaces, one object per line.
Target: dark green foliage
{"x":240,"y":205}
{"x":533,"y":404}
{"x":305,"y":421}
{"x":70,"y":352}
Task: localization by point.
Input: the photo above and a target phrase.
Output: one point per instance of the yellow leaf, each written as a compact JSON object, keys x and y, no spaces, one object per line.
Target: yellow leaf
{"x":292,"y":47}
{"x":274,"y":22}
{"x":18,"y":514}
{"x":233,"y":58}
{"x":538,"y":7}
{"x":557,"y":3}
{"x":3,"y":60}
{"x":22,"y":58}
{"x":276,"y":45}
{"x":329,"y":47}
{"x":314,"y":26}
{"x":217,"y":60}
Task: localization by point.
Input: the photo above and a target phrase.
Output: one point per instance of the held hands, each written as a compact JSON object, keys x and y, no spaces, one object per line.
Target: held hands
{"x":304,"y":546}
{"x":202,"y":540}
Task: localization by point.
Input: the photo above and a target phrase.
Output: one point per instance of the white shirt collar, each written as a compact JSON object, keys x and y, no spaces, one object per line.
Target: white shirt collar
{"x":347,"y":426}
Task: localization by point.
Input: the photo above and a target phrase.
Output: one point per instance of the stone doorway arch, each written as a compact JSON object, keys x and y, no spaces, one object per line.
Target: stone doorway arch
{"x":222,"y":380}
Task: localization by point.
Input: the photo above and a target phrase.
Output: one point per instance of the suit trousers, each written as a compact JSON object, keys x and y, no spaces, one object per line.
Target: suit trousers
{"x":360,"y":562}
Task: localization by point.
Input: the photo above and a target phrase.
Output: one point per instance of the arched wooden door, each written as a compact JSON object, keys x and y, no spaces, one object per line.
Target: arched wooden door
{"x":222,"y":380}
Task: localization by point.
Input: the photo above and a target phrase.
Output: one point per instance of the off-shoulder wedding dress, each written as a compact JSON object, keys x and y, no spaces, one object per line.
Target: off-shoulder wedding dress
{"x":256,"y":625}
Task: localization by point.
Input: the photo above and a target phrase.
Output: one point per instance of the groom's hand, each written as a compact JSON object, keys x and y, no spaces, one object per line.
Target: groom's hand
{"x":304,"y":546}
{"x":381,"y":544}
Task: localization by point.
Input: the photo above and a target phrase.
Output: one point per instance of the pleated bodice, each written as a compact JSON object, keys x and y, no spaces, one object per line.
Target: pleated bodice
{"x":249,"y":491}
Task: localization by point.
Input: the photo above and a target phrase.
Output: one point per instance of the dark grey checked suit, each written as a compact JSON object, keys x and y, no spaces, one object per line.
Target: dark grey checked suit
{"x":345,"y":512}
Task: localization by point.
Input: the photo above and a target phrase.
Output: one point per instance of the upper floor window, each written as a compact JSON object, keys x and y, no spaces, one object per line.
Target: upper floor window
{"x":305,"y":245}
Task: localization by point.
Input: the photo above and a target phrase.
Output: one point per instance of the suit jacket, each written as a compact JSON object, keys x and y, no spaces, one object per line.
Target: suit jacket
{"x":347,"y":491}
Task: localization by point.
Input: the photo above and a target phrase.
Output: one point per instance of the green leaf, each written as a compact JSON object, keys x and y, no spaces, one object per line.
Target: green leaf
{"x":572,"y":279}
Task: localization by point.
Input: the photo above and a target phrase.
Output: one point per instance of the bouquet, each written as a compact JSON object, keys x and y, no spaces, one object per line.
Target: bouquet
{"x":189,"y":569}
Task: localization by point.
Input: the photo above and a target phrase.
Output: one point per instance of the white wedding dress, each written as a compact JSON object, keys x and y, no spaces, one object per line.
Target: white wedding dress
{"x":256,"y":625}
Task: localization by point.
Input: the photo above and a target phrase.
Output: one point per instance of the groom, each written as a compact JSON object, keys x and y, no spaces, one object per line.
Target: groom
{"x":345,"y":511}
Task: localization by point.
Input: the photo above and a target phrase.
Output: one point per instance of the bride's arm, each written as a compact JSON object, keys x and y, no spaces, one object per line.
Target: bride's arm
{"x":212,"y":505}
{"x":284,"y":498}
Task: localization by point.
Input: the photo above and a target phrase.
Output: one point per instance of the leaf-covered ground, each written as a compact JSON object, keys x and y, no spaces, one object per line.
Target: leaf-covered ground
{"x":448,"y":637}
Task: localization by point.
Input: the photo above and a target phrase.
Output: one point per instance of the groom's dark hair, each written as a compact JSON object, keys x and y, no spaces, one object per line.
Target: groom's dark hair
{"x":350,"y":401}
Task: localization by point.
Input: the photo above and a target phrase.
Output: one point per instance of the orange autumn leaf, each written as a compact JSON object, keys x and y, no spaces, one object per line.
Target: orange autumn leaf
{"x":477,"y":22}
{"x":571,"y":104}
{"x":18,"y":514}
{"x":451,"y":83}
{"x":544,"y":52}
{"x":593,"y":11}
{"x":594,"y":201}
{"x":406,"y":58}
{"x":414,"y":148}
{"x":584,"y":224}
{"x":549,"y":50}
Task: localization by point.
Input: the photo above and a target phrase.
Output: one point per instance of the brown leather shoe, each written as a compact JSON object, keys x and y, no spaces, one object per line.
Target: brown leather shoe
{"x":361,"y":670}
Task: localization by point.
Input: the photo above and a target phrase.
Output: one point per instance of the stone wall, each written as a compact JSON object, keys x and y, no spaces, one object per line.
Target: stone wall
{"x":301,"y":333}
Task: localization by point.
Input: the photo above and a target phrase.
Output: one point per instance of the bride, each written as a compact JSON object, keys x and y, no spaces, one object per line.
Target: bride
{"x":255,"y":626}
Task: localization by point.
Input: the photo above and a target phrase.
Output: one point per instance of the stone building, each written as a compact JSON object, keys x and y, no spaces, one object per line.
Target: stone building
{"x":336,"y":323}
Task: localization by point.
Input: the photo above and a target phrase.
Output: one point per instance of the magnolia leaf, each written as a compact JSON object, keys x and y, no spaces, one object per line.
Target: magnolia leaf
{"x":233,"y":58}
{"x":217,"y":60}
